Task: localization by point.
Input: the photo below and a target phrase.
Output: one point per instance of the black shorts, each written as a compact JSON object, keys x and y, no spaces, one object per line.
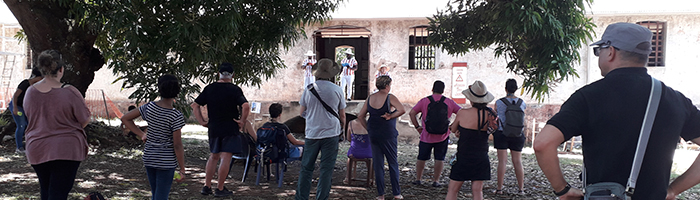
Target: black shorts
{"x":502,"y":142}
{"x":439,"y":152}
{"x":229,"y":144}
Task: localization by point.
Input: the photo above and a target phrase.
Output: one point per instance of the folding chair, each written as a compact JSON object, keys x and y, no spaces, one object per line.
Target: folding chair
{"x":247,"y":153}
{"x":280,"y":165}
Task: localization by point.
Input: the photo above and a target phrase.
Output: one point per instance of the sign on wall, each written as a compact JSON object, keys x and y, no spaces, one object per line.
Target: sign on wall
{"x":459,"y":81}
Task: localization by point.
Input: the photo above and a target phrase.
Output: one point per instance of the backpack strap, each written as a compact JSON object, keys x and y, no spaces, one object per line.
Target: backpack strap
{"x":442,"y":99}
{"x":520,"y":102}
{"x":431,"y":99}
{"x":505,"y":101}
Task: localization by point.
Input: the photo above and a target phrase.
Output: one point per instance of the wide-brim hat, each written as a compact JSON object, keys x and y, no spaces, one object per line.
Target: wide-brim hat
{"x":477,"y":93}
{"x":310,"y":53}
{"x":383,"y":66}
{"x":349,"y":52}
{"x":326,"y":68}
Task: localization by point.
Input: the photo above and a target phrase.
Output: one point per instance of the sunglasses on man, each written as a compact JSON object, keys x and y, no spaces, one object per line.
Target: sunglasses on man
{"x":596,"y":50}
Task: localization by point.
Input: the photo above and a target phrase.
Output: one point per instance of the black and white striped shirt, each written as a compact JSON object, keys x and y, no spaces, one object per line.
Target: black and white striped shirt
{"x":162,"y":122}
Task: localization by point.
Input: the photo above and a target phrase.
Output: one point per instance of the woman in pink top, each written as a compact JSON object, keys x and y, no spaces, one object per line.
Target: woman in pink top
{"x":56,"y":141}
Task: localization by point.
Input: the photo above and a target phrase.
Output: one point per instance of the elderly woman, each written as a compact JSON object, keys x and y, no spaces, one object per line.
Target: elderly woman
{"x":56,"y":141}
{"x":381,"y":128}
{"x":471,"y":127}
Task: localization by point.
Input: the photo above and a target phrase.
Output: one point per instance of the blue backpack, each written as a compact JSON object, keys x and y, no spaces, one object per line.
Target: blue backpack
{"x":272,"y":143}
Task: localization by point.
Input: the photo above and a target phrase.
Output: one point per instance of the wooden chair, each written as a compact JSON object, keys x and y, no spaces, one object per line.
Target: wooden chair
{"x":352,"y":171}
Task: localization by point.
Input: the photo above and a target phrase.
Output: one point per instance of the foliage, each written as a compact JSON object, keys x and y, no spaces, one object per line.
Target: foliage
{"x":539,"y":38}
{"x":143,"y":40}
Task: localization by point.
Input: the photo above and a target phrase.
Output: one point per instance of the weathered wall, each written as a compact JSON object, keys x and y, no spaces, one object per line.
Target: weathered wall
{"x":11,"y":49}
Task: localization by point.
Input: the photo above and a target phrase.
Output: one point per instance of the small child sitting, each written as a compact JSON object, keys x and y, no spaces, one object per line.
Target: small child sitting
{"x":275,"y":112}
{"x":359,"y":144}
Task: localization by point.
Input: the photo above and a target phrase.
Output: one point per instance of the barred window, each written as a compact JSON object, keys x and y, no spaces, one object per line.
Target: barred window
{"x":658,"y":40}
{"x":421,"y":55}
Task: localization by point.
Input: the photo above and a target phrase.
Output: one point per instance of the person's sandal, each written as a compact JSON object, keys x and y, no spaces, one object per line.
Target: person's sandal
{"x":499,"y":192}
{"x":346,"y":181}
{"x":417,"y":182}
{"x":398,"y":197}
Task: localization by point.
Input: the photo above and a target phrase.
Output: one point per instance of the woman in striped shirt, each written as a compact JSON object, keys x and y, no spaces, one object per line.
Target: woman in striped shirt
{"x":163,"y":151}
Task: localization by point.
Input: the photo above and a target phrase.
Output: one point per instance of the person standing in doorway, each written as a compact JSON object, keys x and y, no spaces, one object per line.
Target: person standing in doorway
{"x":16,"y":107}
{"x":436,"y":110}
{"x":348,"y":76}
{"x":307,"y":64}
{"x":510,"y":135}
{"x":222,"y":99}
{"x":323,"y":107}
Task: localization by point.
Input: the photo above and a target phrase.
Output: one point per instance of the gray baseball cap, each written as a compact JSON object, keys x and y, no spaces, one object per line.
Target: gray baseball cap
{"x":627,"y":36}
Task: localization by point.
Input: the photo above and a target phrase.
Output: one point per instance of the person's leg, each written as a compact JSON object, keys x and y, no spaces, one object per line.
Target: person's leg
{"x":62,"y":178}
{"x":308,"y":162}
{"x":43,"y":173}
{"x":453,"y":189}
{"x":518,"y":167}
{"x":347,"y":173}
{"x":329,"y":154}
{"x":502,"y":161}
{"x":378,"y":165}
{"x":164,"y":181}
{"x":439,"y":156}
{"x":211,"y":168}
{"x":21,"y":122}
{"x":151,"y":174}
{"x":424,"y":150}
{"x":343,"y":82}
{"x":350,"y":81}
{"x":392,"y":159}
{"x":224,"y":166}
{"x":477,"y":193}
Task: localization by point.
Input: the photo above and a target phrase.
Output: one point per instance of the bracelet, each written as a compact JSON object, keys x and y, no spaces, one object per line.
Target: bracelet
{"x":564,"y":191}
{"x":417,"y":127}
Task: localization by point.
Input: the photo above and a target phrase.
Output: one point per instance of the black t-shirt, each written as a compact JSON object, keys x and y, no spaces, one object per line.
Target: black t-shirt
{"x":222,"y":101}
{"x":22,"y":86}
{"x":608,"y":114}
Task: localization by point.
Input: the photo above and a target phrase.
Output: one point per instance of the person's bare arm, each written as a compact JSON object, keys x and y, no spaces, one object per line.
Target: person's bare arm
{"x":293,"y":140}
{"x":455,"y":125}
{"x":245,"y":111}
{"x":179,"y":153}
{"x":14,"y":102}
{"x":197,"y":111}
{"x":688,"y":179}
{"x":348,"y":132}
{"x":341,"y":115}
{"x":128,"y":121}
{"x":250,"y":130}
{"x":400,"y":110}
{"x":413,"y":114}
{"x":362,"y":116}
{"x":546,"y":144}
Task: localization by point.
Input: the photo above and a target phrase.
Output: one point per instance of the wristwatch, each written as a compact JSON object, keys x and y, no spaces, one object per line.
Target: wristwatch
{"x":563,"y":191}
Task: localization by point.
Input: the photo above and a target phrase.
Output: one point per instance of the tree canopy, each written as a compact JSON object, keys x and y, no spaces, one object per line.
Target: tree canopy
{"x":142,"y":40}
{"x":539,"y":38}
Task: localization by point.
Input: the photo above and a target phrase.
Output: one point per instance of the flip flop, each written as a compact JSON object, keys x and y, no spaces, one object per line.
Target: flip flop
{"x":398,"y":197}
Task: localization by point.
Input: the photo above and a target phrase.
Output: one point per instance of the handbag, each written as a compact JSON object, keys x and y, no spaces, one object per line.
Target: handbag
{"x":328,"y":108}
{"x":613,"y":190}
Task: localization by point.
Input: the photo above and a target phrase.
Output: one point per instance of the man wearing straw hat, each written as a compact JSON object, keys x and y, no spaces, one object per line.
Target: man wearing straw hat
{"x":323,"y":128}
{"x":348,"y":76}
{"x":609,"y":114}
{"x":307,"y":65}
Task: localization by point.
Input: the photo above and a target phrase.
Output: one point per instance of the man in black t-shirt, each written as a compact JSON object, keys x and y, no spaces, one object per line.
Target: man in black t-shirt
{"x":222,"y":99}
{"x":608,"y":114}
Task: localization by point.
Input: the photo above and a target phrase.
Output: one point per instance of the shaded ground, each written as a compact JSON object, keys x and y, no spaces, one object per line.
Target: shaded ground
{"x":118,"y":173}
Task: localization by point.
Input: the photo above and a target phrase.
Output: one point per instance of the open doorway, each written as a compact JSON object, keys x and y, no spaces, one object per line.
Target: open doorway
{"x":332,"y":42}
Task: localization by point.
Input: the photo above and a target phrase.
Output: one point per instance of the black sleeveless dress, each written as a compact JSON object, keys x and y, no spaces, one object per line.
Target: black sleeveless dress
{"x":472,"y":156}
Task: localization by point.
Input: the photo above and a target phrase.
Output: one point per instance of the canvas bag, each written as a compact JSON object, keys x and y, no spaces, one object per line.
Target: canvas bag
{"x":436,"y":121}
{"x":615,"y":191}
{"x":515,"y":118}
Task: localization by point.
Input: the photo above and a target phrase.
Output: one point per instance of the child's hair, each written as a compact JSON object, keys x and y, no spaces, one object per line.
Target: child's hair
{"x":275,"y":110}
{"x":36,"y":72}
{"x":168,"y":86}
{"x":511,"y":85}
{"x":131,"y":107}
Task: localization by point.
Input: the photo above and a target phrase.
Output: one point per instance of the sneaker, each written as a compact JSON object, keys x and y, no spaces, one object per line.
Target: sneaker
{"x":206,"y":190}
{"x":20,"y":151}
{"x":417,"y":182}
{"x":222,"y":193}
{"x":436,"y":184}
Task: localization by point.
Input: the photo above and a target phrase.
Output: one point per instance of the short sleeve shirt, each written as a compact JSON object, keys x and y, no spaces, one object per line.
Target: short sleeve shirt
{"x":608,"y":114}
{"x":159,"y":151}
{"x":222,"y":101}
{"x":320,"y":123}
{"x":501,"y":110}
{"x":422,"y":107}
{"x":22,"y":86}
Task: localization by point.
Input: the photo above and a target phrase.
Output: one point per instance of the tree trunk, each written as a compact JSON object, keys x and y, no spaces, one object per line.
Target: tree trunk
{"x":47,"y":25}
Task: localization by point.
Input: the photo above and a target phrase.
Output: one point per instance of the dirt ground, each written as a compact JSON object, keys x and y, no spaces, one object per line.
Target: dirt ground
{"x":118,"y":173}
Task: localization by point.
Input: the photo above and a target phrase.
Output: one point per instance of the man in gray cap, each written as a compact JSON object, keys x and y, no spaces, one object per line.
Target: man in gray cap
{"x":608,"y":114}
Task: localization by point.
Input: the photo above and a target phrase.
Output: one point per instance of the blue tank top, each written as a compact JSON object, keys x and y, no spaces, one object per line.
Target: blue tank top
{"x":379,"y":128}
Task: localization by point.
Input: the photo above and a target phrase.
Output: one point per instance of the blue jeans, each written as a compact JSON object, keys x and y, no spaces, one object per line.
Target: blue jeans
{"x":160,"y":180}
{"x":21,"y":122}
{"x":380,"y":149}
{"x":328,"y":147}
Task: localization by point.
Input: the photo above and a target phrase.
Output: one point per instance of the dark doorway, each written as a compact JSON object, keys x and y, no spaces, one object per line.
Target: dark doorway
{"x":326,"y":46}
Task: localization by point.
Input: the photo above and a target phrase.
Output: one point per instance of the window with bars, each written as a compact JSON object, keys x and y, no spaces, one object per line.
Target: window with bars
{"x":658,"y":40}
{"x":421,"y":55}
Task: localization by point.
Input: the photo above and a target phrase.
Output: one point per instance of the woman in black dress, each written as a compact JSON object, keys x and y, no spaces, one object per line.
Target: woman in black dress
{"x":471,"y":127}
